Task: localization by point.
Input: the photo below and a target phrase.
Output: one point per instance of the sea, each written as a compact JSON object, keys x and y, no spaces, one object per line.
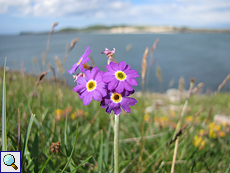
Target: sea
{"x":202,"y":56}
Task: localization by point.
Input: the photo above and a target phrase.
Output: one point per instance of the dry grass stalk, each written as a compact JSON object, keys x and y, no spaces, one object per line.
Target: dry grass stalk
{"x":92,"y":61}
{"x":179,"y":133}
{"x":181,"y":86}
{"x":19,"y":131}
{"x":54,"y":25}
{"x":53,"y":71}
{"x":41,"y":77}
{"x":66,"y":53}
{"x":159,"y":74}
{"x":208,"y":115}
{"x":194,"y":91}
{"x":144,"y":64}
{"x":59,"y":65}
{"x":73,"y":42}
{"x":154,"y":46}
{"x":177,"y":129}
{"x":43,"y":58}
{"x":128,"y":47}
{"x":22,"y":69}
{"x":222,"y":84}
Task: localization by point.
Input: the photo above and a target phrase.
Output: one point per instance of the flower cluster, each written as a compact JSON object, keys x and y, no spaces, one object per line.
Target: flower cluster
{"x":111,"y":88}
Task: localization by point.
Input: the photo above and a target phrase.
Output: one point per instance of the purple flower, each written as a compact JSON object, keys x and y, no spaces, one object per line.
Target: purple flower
{"x":91,"y":87}
{"x":108,"y":52}
{"x":120,"y":77}
{"x":83,"y":59}
{"x":114,"y":101}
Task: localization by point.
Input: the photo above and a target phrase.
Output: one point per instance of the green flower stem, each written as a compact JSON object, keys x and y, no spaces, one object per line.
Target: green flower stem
{"x":116,"y":144}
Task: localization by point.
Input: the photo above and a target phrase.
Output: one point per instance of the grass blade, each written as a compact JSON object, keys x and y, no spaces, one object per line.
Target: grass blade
{"x":82,"y":163}
{"x":65,"y":133}
{"x":4,"y":139}
{"x":69,"y":158}
{"x":25,"y":151}
{"x":100,"y":159}
{"x":41,"y":170}
{"x":107,"y":146}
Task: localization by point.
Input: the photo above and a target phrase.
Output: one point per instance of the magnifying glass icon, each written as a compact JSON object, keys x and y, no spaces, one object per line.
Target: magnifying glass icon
{"x":9,"y":160}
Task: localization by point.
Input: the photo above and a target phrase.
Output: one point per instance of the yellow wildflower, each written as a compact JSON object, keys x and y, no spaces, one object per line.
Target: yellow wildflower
{"x":228,"y":104}
{"x":197,"y":141}
{"x":221,"y":134}
{"x":146,"y":118}
{"x":212,"y":134}
{"x":202,"y":145}
{"x":216,"y":128}
{"x":73,"y":115}
{"x":189,"y":119}
{"x":211,"y":125}
{"x":201,"y":132}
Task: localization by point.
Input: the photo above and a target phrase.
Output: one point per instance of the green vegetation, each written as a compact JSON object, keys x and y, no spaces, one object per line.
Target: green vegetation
{"x":85,"y":133}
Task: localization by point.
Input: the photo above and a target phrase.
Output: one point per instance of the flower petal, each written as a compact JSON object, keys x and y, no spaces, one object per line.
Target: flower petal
{"x":114,"y":66}
{"x":94,"y":72}
{"x":85,"y":60}
{"x":73,"y":69}
{"x":131,"y":73}
{"x":112,"y":85}
{"x":127,"y":86}
{"x":109,"y":68}
{"x":81,"y":67}
{"x":126,"y":108}
{"x":132,"y":82}
{"x":99,"y":75}
{"x":120,"y":87}
{"x":122,"y":65}
{"x":88,"y":98}
{"x":87,"y":52}
{"x":129,"y":101}
{"x":96,"y":95}
{"x":81,"y":81}
{"x":108,"y":78}
{"x":79,"y":88}
{"x":117,"y":111}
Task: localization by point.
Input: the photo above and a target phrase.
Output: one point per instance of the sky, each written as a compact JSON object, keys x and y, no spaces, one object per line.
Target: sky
{"x":38,"y":15}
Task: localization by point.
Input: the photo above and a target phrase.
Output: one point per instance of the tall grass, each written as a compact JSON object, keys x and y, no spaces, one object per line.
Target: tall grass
{"x":160,"y":135}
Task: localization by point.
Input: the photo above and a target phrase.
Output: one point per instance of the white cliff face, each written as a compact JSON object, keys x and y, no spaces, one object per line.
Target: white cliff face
{"x":149,"y":29}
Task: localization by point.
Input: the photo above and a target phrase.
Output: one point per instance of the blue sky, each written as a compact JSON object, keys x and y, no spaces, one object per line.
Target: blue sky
{"x":39,"y":15}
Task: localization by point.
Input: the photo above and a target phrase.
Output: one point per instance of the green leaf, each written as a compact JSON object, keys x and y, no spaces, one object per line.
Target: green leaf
{"x":107,"y":146}
{"x":65,"y":133}
{"x":100,"y":159}
{"x":41,"y":170}
{"x":25,"y":151}
{"x":81,"y":164}
{"x":69,"y":158}
{"x":4,"y":139}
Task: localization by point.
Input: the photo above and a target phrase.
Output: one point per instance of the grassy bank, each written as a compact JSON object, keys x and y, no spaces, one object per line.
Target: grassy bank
{"x":61,"y":116}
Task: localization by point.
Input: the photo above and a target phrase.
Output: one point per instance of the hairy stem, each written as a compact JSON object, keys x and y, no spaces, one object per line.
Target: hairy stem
{"x":116,"y":144}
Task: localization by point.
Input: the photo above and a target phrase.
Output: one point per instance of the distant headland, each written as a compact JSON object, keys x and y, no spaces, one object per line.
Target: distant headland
{"x":125,"y":29}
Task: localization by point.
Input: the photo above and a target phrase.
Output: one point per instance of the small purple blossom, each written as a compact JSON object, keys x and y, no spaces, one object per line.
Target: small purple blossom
{"x":83,"y":59}
{"x":114,"y":102}
{"x":91,"y":87}
{"x":120,"y":77}
{"x":75,"y":77}
{"x":108,"y":52}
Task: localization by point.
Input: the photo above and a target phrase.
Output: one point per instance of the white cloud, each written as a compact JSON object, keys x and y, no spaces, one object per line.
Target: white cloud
{"x":194,"y":12}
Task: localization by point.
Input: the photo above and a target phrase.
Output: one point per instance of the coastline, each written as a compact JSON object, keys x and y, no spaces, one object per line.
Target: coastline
{"x":131,"y":30}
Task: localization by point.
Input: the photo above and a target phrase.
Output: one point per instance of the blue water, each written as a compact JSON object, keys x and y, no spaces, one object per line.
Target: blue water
{"x":206,"y":57}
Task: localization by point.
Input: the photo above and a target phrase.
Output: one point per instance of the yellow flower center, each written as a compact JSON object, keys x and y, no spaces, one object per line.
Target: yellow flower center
{"x":91,"y":85}
{"x":79,"y":61}
{"x":116,"y":97}
{"x":120,"y":75}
